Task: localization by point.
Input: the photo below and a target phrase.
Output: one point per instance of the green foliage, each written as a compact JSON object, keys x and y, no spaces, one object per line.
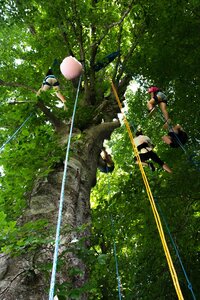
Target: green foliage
{"x":30,"y":156}
{"x":17,"y":240}
{"x":164,"y":39}
{"x":142,"y":264}
{"x":83,"y":117}
{"x":122,"y":197}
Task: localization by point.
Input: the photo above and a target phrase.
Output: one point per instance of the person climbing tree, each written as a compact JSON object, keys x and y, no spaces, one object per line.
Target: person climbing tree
{"x":176,"y":136}
{"x":105,"y":164}
{"x":158,"y":98}
{"x":145,"y":149}
{"x":50,"y":81}
{"x":106,"y":60}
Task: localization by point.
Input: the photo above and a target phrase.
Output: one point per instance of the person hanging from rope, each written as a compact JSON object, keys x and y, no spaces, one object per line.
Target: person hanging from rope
{"x":176,"y":136}
{"x":50,"y":81}
{"x":105,"y":163}
{"x":106,"y":61}
{"x":145,"y":149}
{"x":158,"y":98}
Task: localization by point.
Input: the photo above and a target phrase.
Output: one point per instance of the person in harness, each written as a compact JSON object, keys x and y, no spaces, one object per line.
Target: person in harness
{"x":50,"y":81}
{"x":158,"y":98}
{"x":105,"y":163}
{"x":176,"y":137}
{"x":145,"y":149}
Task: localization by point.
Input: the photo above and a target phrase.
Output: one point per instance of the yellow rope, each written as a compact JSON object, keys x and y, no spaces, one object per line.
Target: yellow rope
{"x":153,"y":206}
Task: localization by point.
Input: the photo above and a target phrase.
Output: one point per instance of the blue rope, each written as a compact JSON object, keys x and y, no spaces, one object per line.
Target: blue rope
{"x":114,"y":246}
{"x":176,"y":250}
{"x":64,"y":179}
{"x":116,"y":261}
{"x":15,"y":133}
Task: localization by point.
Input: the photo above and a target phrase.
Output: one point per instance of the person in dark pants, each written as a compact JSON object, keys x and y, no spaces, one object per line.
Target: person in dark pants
{"x":145,"y":149}
{"x":176,"y":137}
{"x":105,"y":164}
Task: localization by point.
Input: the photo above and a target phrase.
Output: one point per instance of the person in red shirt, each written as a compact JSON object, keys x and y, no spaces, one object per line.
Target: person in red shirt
{"x":158,"y":98}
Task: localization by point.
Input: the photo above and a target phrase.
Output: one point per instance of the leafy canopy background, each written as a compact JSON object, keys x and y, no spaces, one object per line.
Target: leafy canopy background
{"x":164,"y":39}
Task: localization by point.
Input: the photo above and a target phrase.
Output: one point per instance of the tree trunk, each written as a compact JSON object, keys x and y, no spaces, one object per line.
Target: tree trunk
{"x":27,"y":276}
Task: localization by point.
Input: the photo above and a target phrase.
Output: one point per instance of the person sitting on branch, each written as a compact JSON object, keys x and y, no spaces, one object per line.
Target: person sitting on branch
{"x":158,"y":98}
{"x":105,"y":164}
{"x":50,"y":81}
{"x":176,"y":136}
{"x":145,"y":149}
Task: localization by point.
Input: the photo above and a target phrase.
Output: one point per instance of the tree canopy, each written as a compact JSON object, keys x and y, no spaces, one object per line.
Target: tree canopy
{"x":158,"y":45}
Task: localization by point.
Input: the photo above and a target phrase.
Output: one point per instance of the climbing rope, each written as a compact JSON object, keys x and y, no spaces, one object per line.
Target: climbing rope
{"x":151,"y":199}
{"x":116,"y":261}
{"x":64,"y":179}
{"x":114,"y":245}
{"x":176,"y":249}
{"x":15,"y":133}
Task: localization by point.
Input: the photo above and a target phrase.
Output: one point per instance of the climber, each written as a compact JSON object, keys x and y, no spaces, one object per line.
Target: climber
{"x":145,"y":149}
{"x":157,"y":97}
{"x":176,"y":136}
{"x":105,"y":164}
{"x":106,"y":61}
{"x":50,"y":81}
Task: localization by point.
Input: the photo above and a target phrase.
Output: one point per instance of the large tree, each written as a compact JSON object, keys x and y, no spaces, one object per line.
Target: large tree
{"x":35,"y":35}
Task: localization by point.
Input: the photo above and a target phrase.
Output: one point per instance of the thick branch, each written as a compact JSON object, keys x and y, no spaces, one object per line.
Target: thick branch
{"x":21,"y":102}
{"x":76,"y":25}
{"x":122,"y":86}
{"x":94,"y":45}
{"x":54,"y":121}
{"x":116,"y":23}
{"x":102,"y":131}
{"x":64,"y":34}
{"x":99,"y":111}
{"x":134,"y":45}
{"x":51,"y":117}
{"x":119,"y":48}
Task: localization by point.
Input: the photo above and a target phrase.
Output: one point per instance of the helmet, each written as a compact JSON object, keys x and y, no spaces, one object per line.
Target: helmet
{"x":153,"y":89}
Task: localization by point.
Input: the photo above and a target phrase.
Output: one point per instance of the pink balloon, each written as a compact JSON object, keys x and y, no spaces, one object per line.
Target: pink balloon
{"x":71,"y":67}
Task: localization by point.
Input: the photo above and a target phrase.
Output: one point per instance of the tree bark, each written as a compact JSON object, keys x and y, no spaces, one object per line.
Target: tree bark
{"x":24,"y":277}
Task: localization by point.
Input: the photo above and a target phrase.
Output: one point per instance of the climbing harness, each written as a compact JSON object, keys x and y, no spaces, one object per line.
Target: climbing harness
{"x":114,"y":245}
{"x":64,"y":179}
{"x":175,"y":248}
{"x":15,"y":133}
{"x":152,"y":202}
